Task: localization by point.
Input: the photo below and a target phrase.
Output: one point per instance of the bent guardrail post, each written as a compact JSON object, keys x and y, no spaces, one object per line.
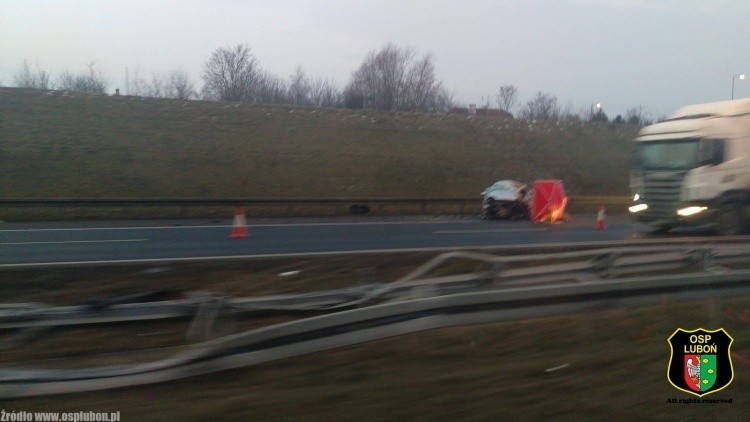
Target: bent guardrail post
{"x":496,"y":269}
{"x":602,"y":264}
{"x":202,"y":324}
{"x":699,"y":258}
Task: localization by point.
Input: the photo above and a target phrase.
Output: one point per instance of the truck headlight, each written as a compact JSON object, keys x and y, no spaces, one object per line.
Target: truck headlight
{"x":638,"y":208}
{"x":636,"y":198}
{"x":686,"y":212}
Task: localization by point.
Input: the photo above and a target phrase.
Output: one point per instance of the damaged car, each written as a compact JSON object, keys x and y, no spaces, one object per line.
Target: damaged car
{"x":507,"y":199}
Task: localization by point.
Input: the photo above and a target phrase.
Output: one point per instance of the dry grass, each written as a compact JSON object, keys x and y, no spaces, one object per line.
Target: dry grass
{"x":71,"y":146}
{"x":617,"y":362}
{"x":617,"y":358}
{"x":75,"y":285}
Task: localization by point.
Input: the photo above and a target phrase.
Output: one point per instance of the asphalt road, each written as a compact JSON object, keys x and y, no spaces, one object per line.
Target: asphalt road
{"x":56,"y":242}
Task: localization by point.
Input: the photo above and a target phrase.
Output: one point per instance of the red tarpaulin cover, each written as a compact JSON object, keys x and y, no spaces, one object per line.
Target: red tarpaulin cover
{"x":549,"y":201}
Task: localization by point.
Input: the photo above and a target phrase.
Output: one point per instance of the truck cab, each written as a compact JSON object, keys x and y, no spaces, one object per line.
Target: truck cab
{"x":694,"y":169}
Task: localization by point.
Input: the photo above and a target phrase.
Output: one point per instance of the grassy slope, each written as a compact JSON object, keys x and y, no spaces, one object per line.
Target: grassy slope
{"x":57,"y":145}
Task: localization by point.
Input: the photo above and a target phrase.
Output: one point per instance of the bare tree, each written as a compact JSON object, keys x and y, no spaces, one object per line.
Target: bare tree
{"x":600,"y":116}
{"x":176,"y":85}
{"x":324,"y":93}
{"x":587,"y":113}
{"x":137,"y":86}
{"x":380,"y":77}
{"x":271,"y":90}
{"x":507,"y":98}
{"x":637,"y":116}
{"x":567,"y":113}
{"x":231,"y":74}
{"x":157,"y":86}
{"x":390,"y":79}
{"x":91,"y":83}
{"x":486,"y":102}
{"x":420,"y":80}
{"x":26,"y":77}
{"x":541,"y":107}
{"x":595,"y":113}
{"x":354,"y":95}
{"x":179,"y":86}
{"x":300,"y":87}
{"x":142,"y":88}
{"x":441,"y":100}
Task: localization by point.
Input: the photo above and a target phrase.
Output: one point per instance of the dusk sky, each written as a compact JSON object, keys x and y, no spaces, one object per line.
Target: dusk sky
{"x":661,"y":54}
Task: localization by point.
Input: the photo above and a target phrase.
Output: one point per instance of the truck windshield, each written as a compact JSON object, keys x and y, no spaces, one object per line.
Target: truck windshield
{"x":672,"y":154}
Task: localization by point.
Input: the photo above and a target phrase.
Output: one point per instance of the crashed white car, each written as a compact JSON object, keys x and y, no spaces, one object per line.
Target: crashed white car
{"x":506,"y":199}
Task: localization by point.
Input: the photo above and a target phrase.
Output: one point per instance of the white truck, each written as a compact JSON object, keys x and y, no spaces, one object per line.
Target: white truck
{"x":694,"y":169}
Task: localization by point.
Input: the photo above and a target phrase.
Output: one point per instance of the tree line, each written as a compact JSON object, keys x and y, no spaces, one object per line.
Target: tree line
{"x":389,"y":79}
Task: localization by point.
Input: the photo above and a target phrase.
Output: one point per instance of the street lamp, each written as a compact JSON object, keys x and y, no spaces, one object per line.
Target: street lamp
{"x":741,"y":76}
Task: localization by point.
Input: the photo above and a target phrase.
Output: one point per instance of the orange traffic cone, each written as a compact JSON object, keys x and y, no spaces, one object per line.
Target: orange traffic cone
{"x":239,"y":228}
{"x":600,"y":223}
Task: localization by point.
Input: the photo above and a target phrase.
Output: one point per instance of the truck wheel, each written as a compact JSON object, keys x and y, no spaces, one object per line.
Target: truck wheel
{"x":730,"y":220}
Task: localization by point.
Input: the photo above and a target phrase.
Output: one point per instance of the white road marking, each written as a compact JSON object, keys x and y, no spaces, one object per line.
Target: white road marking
{"x":62,"y":242}
{"x":489,"y":231}
{"x":83,"y":229}
{"x":250,"y":224}
{"x":557,"y":368}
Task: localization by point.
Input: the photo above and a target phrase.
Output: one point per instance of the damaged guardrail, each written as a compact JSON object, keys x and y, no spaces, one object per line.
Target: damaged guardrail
{"x":503,"y":288}
{"x":500,"y":270}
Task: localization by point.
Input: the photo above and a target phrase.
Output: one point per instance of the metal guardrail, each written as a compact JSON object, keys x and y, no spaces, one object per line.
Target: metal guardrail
{"x":498,"y":271}
{"x":353,"y":203}
{"x":200,"y":202}
{"x":161,"y":202}
{"x":579,"y":281}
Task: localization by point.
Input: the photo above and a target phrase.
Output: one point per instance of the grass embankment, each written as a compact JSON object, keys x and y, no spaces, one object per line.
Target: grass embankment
{"x":54,"y":145}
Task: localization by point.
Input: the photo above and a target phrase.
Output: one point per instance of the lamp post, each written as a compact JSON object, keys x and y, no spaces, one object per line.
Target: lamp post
{"x":741,"y":76}
{"x":595,"y":115}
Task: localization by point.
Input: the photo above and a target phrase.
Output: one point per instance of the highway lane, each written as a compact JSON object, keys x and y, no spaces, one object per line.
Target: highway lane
{"x":34,"y":243}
